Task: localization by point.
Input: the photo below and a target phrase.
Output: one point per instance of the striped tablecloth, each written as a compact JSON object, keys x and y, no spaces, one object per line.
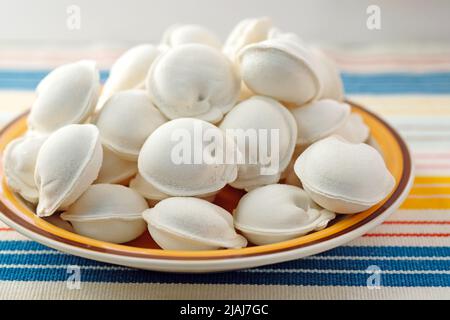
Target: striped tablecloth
{"x":409,"y":86}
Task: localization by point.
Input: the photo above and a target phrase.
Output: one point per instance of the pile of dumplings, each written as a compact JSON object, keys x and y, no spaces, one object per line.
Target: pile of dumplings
{"x":96,"y":160}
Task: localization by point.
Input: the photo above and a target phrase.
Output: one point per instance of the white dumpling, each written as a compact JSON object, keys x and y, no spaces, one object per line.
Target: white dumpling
{"x":184,"y":223}
{"x":180,"y":34}
{"x":332,"y":86}
{"x":282,"y":69}
{"x":67,"y":163}
{"x":115,"y":169}
{"x":129,"y":71}
{"x":125,"y":122}
{"x":169,"y":158}
{"x":19,"y":161}
{"x":354,"y":129}
{"x":246,"y":32}
{"x":296,"y":214}
{"x":153,"y":195}
{"x":108,"y":212}
{"x":147,"y":190}
{"x":193,"y":80}
{"x":260,"y":115}
{"x":67,"y":95}
{"x":319,"y":119}
{"x":344,"y":177}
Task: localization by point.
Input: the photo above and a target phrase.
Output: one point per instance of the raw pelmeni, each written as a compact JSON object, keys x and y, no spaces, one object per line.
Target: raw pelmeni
{"x":344,"y":177}
{"x":246,"y":32}
{"x":278,"y":212}
{"x":276,"y":33}
{"x":169,"y":158}
{"x":125,"y":122}
{"x":184,"y":223}
{"x":108,"y":212}
{"x":332,"y":86}
{"x":147,"y":190}
{"x":115,"y":169}
{"x":67,"y":163}
{"x":262,"y":117}
{"x":129,"y":71}
{"x":19,"y":161}
{"x":354,"y":129}
{"x":66,"y":95}
{"x":189,"y":33}
{"x":282,"y":69}
{"x":153,"y":195}
{"x":193,"y":80}
{"x":319,"y":119}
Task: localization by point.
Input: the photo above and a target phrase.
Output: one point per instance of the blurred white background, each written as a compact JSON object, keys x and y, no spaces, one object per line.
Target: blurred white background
{"x":131,"y":21}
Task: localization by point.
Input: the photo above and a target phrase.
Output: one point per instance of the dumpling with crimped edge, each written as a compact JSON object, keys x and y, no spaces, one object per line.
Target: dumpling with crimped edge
{"x":344,"y":177}
{"x":180,"y":34}
{"x":332,"y":86}
{"x":115,"y":169}
{"x":246,"y":32}
{"x":319,"y":119}
{"x":19,"y":161}
{"x":154,"y":196}
{"x":108,"y":212}
{"x":147,"y":190}
{"x":261,"y":115}
{"x":354,"y":129}
{"x":296,"y":214}
{"x":129,"y":71}
{"x":67,"y":164}
{"x":67,"y":95}
{"x":185,"y":223}
{"x":125,"y":122}
{"x":193,"y":80}
{"x":282,"y":69}
{"x":168,"y":160}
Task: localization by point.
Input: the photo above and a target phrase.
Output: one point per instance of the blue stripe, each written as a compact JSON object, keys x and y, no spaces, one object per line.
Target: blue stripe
{"x":28,"y":80}
{"x":12,"y":74}
{"x":379,"y":251}
{"x":338,"y":264}
{"x":355,"y":83}
{"x":302,"y":278}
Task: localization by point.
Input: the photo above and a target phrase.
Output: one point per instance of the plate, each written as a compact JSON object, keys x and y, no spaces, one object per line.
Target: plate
{"x":143,"y":253}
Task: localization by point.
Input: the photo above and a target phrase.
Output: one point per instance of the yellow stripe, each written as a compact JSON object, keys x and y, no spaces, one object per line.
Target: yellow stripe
{"x":421,"y":204}
{"x":413,"y":105}
{"x":430,"y":190}
{"x":431,"y":180}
